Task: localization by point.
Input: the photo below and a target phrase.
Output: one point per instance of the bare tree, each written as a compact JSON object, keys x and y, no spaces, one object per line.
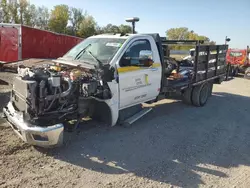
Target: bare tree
{"x":43,"y":17}
{"x":76,"y":17}
{"x":4,"y":11}
{"x":23,"y":4}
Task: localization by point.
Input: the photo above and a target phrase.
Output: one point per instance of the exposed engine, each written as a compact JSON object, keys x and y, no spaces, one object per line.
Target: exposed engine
{"x":52,"y":94}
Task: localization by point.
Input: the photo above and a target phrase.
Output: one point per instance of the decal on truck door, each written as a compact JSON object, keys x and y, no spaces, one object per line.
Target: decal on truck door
{"x":135,"y":87}
{"x":140,"y":96}
{"x":138,"y":83}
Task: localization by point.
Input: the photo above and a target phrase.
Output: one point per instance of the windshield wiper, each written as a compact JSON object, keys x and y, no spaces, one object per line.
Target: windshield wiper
{"x":82,"y":51}
{"x":94,"y":57}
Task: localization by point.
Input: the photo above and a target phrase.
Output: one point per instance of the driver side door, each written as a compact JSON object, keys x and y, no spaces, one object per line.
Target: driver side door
{"x":136,"y":77}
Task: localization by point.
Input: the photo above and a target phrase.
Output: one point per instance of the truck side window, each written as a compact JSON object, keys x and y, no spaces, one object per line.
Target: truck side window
{"x":131,"y":56}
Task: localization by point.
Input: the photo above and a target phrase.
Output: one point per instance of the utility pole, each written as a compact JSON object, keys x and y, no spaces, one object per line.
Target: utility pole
{"x":229,"y":66}
{"x":227,"y":40}
{"x":248,"y":52}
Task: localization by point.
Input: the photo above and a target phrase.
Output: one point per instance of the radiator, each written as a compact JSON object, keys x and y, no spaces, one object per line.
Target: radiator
{"x":20,"y":93}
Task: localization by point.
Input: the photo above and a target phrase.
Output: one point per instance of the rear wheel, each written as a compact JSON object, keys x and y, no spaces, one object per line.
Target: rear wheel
{"x":200,"y":94}
{"x":247,"y":73}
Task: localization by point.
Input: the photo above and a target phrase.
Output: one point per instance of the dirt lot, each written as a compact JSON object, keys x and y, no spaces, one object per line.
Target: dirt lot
{"x":173,"y":146}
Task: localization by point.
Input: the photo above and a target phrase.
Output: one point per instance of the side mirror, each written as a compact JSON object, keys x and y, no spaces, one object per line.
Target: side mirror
{"x":146,"y":58}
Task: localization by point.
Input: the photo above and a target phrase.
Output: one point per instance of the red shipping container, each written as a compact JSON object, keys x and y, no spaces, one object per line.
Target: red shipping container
{"x":19,"y":42}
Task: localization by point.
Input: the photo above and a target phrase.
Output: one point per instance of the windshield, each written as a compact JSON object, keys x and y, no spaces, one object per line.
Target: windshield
{"x":103,"y":49}
{"x":235,"y":54}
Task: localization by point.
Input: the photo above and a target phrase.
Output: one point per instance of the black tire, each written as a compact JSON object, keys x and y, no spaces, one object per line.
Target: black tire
{"x":231,"y":72}
{"x":211,"y":85}
{"x":204,"y":93}
{"x":187,"y":96}
{"x":200,"y":94}
{"x":236,"y":72}
{"x":1,"y":66}
{"x":247,"y":74}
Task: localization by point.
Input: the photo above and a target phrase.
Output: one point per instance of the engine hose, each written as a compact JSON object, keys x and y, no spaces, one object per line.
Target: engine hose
{"x":67,"y":110}
{"x":52,"y":102}
{"x":60,"y":98}
{"x":63,"y":94}
{"x":64,"y":102}
{"x":63,"y":105}
{"x":41,"y":97}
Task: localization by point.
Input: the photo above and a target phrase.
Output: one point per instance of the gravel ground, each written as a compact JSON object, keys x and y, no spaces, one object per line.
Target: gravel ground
{"x":173,"y":146}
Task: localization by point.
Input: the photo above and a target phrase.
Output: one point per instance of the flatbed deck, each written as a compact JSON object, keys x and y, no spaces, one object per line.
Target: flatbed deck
{"x":209,"y":63}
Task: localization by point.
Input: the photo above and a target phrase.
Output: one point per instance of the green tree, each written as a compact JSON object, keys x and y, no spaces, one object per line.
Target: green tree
{"x":76,"y":17}
{"x":59,"y":18}
{"x":114,"y":29}
{"x":192,"y":35}
{"x":206,"y":40}
{"x":183,"y":33}
{"x":69,"y":31}
{"x":98,"y":30}
{"x":111,"y":29}
{"x":5,"y":11}
{"x":87,"y":27}
{"x":125,"y":28}
{"x":180,"y":33}
{"x":107,"y":28}
{"x":212,"y":42}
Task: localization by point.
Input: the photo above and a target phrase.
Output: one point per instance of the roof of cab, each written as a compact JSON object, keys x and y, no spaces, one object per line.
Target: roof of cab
{"x":120,"y":35}
{"x":112,"y":35}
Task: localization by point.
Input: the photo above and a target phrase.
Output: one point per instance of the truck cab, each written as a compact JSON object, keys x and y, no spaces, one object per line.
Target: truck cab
{"x":239,"y":61}
{"x":191,"y":55}
{"x":139,"y":80}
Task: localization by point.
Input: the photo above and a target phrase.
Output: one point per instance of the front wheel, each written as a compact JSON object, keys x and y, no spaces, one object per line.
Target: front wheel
{"x":234,"y":71}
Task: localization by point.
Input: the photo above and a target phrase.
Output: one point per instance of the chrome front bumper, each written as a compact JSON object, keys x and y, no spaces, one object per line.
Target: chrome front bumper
{"x":50,"y":136}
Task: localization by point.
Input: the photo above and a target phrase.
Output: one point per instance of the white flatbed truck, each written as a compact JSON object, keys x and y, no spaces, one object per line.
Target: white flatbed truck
{"x":135,"y":69}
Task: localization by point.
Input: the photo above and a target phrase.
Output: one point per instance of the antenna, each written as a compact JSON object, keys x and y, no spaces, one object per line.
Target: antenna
{"x":133,"y":20}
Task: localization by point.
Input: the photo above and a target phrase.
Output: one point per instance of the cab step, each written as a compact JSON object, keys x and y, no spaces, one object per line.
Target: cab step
{"x":135,"y":117}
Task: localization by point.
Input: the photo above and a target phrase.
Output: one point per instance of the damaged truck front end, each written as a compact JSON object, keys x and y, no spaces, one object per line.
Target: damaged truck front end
{"x":46,"y":96}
